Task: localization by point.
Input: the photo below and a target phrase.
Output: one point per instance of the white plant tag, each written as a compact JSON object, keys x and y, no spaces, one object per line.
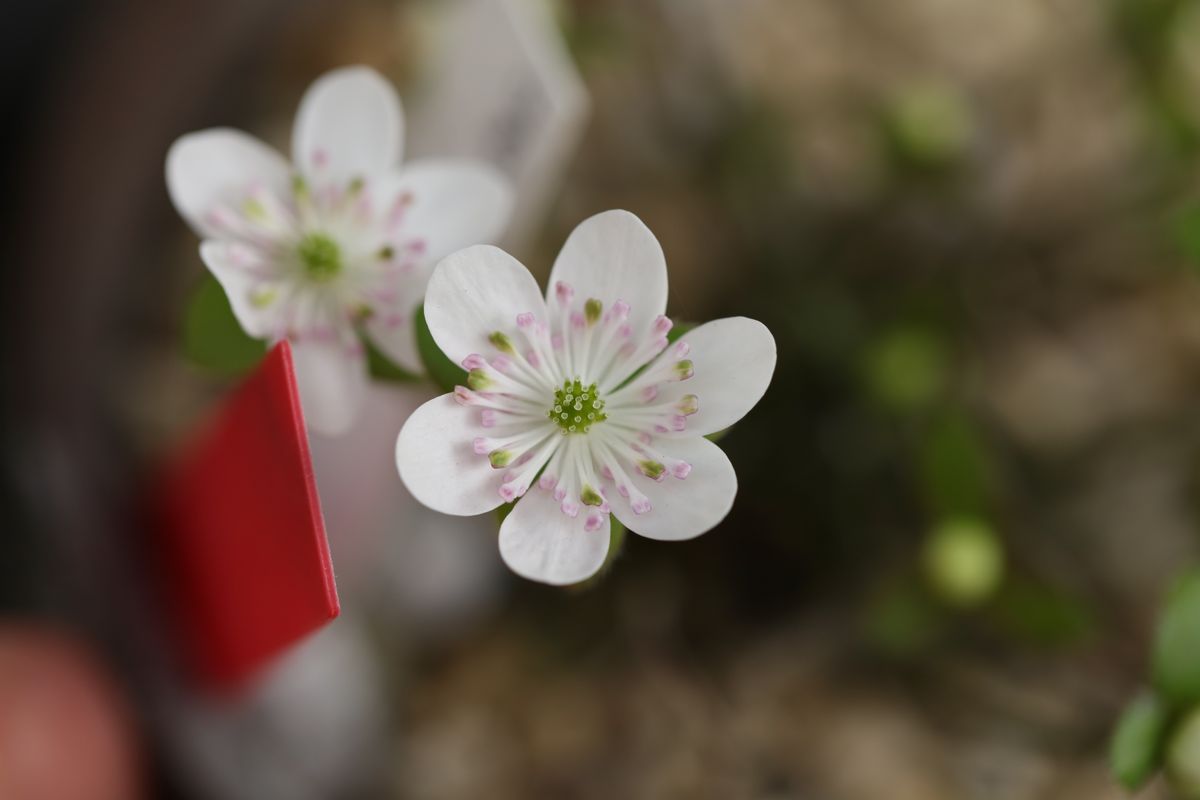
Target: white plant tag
{"x":500,"y":86}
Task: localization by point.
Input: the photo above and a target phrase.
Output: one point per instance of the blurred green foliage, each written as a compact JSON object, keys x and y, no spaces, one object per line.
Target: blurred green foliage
{"x":1182,"y":759}
{"x":963,"y":561}
{"x":953,"y":466}
{"x":1163,"y":729}
{"x":1041,"y":614}
{"x":1176,"y":659}
{"x":381,"y":368}
{"x":444,"y":372}
{"x":212,"y":337}
{"x":1136,"y":748}
{"x":907,"y":368}
{"x":928,"y":128}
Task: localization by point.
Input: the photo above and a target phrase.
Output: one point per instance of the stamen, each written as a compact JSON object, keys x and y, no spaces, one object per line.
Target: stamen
{"x":502,"y":343}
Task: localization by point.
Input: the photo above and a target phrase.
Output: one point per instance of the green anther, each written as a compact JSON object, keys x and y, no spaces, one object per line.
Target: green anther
{"x":299,"y":186}
{"x":500,"y":458}
{"x":688,"y":404}
{"x":590,"y":497}
{"x":356,"y":186}
{"x":253,"y":209}
{"x":502,"y":343}
{"x":576,"y":407}
{"x":684,"y":369}
{"x":591,"y":310}
{"x":261,"y":298}
{"x":652,"y":469}
{"x":320,"y":256}
{"x":386,"y":253}
{"x":478,"y":380}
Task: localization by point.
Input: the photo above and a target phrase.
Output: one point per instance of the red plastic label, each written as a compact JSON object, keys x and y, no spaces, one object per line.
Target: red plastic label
{"x":246,"y":562}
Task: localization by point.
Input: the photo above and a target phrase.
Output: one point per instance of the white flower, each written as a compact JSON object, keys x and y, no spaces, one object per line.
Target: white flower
{"x":577,"y":404}
{"x":341,"y":241}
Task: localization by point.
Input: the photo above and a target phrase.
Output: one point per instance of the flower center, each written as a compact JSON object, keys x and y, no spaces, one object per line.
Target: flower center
{"x":320,"y":257}
{"x":576,"y":407}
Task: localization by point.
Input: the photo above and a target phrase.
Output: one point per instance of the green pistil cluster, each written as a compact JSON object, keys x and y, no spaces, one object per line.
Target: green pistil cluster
{"x":576,"y":407}
{"x":320,"y":257}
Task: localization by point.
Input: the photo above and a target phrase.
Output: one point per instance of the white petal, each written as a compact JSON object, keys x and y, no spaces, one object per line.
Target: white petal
{"x":474,"y":293}
{"x":349,"y":125}
{"x":614,"y":256}
{"x":257,"y":320}
{"x":733,"y":361}
{"x":413,"y":564}
{"x":682,"y":509}
{"x":541,"y":543}
{"x":397,"y":338}
{"x":218,"y":167}
{"x":438,"y":464}
{"x":454,"y":203}
{"x":332,"y":383}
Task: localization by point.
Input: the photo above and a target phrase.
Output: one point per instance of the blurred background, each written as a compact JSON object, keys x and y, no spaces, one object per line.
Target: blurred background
{"x":974,"y":229}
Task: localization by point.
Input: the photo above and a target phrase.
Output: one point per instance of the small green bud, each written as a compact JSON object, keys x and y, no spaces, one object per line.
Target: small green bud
{"x":964,"y":561}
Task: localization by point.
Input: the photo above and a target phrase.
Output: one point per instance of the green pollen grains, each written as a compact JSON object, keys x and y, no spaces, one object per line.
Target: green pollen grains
{"x":320,"y":257}
{"x":576,"y":407}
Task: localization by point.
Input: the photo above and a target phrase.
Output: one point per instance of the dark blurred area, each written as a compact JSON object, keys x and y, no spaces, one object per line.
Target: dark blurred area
{"x":972,"y":227}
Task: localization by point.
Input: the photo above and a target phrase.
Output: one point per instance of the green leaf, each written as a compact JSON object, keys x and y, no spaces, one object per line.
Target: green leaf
{"x":679,"y":329}
{"x":928,"y":127}
{"x":1182,"y":757}
{"x":1176,"y":662}
{"x":1186,"y":232}
{"x":1135,"y":752}
{"x":1042,"y":614}
{"x":444,"y":372}
{"x":902,"y":620}
{"x":383,"y":368}
{"x":907,"y":368}
{"x":954,"y":467}
{"x":212,"y":336}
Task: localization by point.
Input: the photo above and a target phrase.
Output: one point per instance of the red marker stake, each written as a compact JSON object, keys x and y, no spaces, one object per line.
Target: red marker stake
{"x":245,"y":565}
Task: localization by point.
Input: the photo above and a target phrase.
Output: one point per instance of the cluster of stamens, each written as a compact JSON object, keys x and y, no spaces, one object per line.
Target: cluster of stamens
{"x":529,"y":407}
{"x":328,"y":252}
{"x":577,"y":407}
